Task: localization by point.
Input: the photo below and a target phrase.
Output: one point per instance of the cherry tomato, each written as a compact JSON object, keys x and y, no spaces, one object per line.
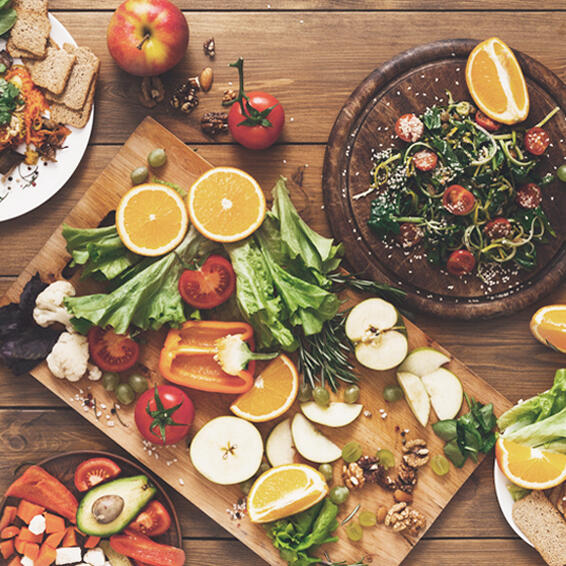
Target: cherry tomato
{"x":425,"y":160}
{"x":210,"y":285}
{"x":409,"y":127}
{"x":156,"y":420}
{"x":529,"y":196}
{"x":486,"y":122}
{"x":111,"y":351}
{"x":461,"y":262}
{"x":498,"y":228}
{"x":94,"y":471}
{"x":410,"y":234}
{"x":458,"y":200}
{"x":154,"y":520}
{"x":536,"y":141}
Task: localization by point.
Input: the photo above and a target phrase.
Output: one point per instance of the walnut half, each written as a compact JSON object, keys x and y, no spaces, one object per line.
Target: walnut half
{"x":152,"y":92}
{"x":401,"y":517}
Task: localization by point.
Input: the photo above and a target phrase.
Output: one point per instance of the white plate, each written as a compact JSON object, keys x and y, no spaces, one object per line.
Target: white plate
{"x":505,"y":500}
{"x":19,"y":195}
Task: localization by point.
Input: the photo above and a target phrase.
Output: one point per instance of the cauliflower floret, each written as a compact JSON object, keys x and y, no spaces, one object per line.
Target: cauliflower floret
{"x":94,"y":372}
{"x":69,"y":357}
{"x":49,"y":307}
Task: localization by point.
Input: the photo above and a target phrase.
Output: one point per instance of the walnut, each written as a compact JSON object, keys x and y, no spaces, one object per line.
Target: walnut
{"x":151,"y":92}
{"x":213,"y":123}
{"x":353,"y":476}
{"x":416,"y":454}
{"x":185,"y":97}
{"x":228,"y":96}
{"x":406,"y":478}
{"x":374,"y":472}
{"x":401,"y":517}
{"x":209,"y":47}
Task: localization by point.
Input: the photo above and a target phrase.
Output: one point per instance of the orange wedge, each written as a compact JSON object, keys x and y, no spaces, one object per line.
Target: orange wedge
{"x":531,"y":468}
{"x":496,"y":82}
{"x":226,"y":204}
{"x":548,"y":326}
{"x":285,"y":490}
{"x":274,"y":391}
{"x":151,"y":219}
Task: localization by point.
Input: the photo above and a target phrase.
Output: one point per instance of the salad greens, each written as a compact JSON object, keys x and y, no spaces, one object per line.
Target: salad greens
{"x":8,"y":16}
{"x":9,"y":97}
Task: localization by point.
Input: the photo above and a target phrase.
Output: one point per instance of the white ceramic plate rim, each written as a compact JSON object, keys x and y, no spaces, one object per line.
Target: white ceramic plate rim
{"x":50,"y":182}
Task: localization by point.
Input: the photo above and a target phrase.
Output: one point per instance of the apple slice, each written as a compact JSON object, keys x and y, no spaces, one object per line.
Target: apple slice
{"x":335,"y":415}
{"x":384,"y":351}
{"x":312,"y":444}
{"x":445,"y":391}
{"x":369,"y":316}
{"x":416,"y":395}
{"x":227,"y":450}
{"x":279,"y":447}
{"x":422,"y":361}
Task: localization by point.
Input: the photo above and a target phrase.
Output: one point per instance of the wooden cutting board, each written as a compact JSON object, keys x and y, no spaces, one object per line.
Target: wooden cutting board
{"x":380,"y":427}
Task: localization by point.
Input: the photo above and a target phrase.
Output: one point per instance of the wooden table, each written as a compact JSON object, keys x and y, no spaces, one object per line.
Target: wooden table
{"x":310,"y":54}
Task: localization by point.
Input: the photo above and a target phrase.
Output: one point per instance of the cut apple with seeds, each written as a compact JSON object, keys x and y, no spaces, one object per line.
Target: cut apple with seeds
{"x":445,"y":391}
{"x":385,"y":351}
{"x":279,"y":447}
{"x":422,"y":361}
{"x":312,"y":444}
{"x":416,"y":395}
{"x":371,"y":313}
{"x":335,"y":415}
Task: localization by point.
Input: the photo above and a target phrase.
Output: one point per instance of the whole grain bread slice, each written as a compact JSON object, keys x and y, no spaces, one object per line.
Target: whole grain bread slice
{"x":16,"y":52}
{"x":543,"y":525}
{"x":31,"y":31}
{"x":37,"y":6}
{"x":77,"y":118}
{"x":53,"y":71}
{"x":82,"y":74}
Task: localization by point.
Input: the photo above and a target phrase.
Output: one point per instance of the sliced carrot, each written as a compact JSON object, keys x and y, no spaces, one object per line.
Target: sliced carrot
{"x":46,"y":557}
{"x":9,"y":532}
{"x":27,"y":511}
{"x":31,"y":550}
{"x":92,"y":541}
{"x":8,"y":516}
{"x":15,"y":561}
{"x":7,"y":548}
{"x":54,"y":539}
{"x":54,"y":523}
{"x":70,"y":538}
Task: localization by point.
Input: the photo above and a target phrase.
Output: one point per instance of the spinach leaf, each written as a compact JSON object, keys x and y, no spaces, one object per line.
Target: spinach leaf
{"x":431,"y":118}
{"x":8,"y":17}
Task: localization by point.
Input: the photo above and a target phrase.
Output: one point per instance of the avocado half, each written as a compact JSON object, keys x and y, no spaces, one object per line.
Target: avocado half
{"x":136,"y":492}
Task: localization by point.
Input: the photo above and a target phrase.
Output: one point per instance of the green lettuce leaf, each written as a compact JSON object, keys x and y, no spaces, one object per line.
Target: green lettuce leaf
{"x":549,"y":433}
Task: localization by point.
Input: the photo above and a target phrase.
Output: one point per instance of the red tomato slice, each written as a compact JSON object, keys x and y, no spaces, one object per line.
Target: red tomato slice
{"x":529,"y":196}
{"x":142,"y":548}
{"x":425,"y":160}
{"x":93,"y":471}
{"x":458,"y":200}
{"x":536,"y":141}
{"x":498,"y":228}
{"x":111,"y":351}
{"x":153,"y":521}
{"x":461,"y":262}
{"x":410,"y":234}
{"x":486,"y":122}
{"x":210,"y":285}
{"x":409,"y":127}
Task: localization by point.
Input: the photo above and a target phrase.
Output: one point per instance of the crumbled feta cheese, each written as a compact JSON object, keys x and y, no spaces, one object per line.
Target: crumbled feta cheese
{"x":37,"y":525}
{"x":25,"y":561}
{"x":95,"y":557}
{"x":69,"y":555}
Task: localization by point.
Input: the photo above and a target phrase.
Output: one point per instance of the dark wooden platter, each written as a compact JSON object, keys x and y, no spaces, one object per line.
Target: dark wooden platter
{"x":62,"y":466}
{"x":410,"y":82}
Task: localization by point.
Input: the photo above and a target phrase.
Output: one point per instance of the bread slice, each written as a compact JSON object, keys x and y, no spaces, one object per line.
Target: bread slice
{"x":83,"y":72}
{"x":37,"y":6}
{"x":21,"y":53}
{"x":31,"y":31}
{"x":77,"y":118}
{"x":53,"y":71}
{"x":543,"y":525}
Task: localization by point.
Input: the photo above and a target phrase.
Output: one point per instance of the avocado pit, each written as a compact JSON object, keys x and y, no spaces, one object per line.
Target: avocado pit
{"x":107,"y":508}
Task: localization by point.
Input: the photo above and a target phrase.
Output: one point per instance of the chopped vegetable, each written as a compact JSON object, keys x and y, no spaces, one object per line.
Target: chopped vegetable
{"x":233,"y":354}
{"x":142,"y":548}
{"x":49,"y":307}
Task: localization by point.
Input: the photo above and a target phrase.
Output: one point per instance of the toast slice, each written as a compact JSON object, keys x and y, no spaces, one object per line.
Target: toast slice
{"x":543,"y":525}
{"x":53,"y":71}
{"x":31,"y":31}
{"x":76,"y":118}
{"x":82,"y":74}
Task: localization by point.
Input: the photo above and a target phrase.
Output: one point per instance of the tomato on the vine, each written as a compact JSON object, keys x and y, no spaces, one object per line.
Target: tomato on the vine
{"x":93,"y":471}
{"x":461,"y":262}
{"x":210,"y":285}
{"x":458,"y":200}
{"x":111,"y":351}
{"x":256,"y":118}
{"x":486,"y":122}
{"x":164,"y":414}
{"x":153,"y":520}
{"x":536,"y":141}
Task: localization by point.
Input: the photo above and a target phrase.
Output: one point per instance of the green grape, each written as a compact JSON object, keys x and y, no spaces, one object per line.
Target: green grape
{"x":327,"y":471}
{"x":139,"y":175}
{"x":392,"y":393}
{"x":125,"y":394}
{"x":367,"y":518}
{"x":321,"y":396}
{"x":246,"y":486}
{"x":339,"y":494}
{"x":305,"y":392}
{"x":157,"y":157}
{"x":352,"y":394}
{"x":386,"y":458}
{"x":440,"y":465}
{"x":561,"y":173}
{"x":138,"y":382}
{"x":352,"y":452}
{"x":354,"y":531}
{"x":110,"y":380}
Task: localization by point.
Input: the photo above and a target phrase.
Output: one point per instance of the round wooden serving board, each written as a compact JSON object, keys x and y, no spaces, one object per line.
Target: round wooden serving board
{"x":410,"y":82}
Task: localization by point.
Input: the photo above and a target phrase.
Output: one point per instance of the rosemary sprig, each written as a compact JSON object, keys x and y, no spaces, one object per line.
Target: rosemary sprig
{"x":354,"y":281}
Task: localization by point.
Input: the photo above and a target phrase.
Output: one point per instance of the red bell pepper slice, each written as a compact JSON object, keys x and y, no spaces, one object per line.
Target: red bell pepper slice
{"x":142,"y":548}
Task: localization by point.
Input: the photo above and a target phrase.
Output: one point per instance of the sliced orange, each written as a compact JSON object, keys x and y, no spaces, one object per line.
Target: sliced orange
{"x":496,"y":82}
{"x":531,"y":468}
{"x":548,"y":326}
{"x":285,"y":490}
{"x":274,"y":391}
{"x":226,"y":204}
{"x":151,"y":219}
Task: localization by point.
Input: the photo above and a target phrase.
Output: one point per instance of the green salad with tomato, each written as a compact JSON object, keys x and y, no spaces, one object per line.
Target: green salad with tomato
{"x":464,"y":187}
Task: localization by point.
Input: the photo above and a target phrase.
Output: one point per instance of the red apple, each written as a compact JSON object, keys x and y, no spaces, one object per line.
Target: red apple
{"x":147,"y":37}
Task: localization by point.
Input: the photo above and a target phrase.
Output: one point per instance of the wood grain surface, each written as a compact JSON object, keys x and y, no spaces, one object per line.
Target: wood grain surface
{"x":312,"y":67}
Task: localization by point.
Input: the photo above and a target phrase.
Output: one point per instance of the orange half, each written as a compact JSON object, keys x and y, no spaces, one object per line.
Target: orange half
{"x":548,"y":326}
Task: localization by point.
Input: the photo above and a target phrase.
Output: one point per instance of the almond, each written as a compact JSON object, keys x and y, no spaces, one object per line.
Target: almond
{"x":205,"y":79}
{"x":402,"y":496}
{"x":381,"y":514}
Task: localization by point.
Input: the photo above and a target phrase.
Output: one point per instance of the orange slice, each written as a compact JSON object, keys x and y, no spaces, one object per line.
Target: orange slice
{"x":226,"y":204}
{"x":496,"y":82}
{"x":274,"y":391}
{"x":151,"y":219}
{"x":531,"y":468}
{"x":285,"y":490}
{"x":548,"y":326}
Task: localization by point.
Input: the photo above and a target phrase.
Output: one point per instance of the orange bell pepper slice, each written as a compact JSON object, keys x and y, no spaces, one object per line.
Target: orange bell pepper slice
{"x":188,"y":357}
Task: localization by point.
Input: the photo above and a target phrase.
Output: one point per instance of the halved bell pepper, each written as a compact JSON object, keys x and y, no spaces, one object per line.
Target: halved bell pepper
{"x":188,"y":357}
